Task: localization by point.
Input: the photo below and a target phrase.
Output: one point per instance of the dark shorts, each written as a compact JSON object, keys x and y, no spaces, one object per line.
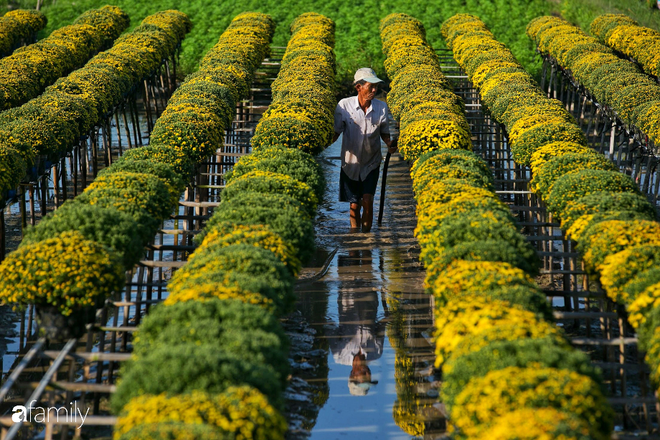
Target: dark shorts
{"x":352,"y":190}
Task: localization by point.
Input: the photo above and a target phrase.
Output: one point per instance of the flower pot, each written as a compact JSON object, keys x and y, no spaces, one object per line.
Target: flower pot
{"x":59,"y":328}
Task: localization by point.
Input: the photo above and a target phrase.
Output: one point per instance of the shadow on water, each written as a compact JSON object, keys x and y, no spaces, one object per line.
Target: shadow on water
{"x":361,"y":303}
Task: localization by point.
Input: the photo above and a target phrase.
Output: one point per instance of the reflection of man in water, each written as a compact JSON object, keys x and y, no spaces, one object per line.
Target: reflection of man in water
{"x":357,"y":339}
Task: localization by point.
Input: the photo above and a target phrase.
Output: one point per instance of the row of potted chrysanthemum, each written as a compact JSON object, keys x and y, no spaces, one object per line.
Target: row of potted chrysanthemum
{"x":215,"y":350}
{"x":26,"y":73}
{"x":600,"y":208}
{"x":613,"y":82}
{"x":495,"y":336}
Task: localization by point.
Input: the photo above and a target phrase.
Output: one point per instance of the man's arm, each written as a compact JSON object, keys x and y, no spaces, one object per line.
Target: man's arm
{"x":335,"y":137}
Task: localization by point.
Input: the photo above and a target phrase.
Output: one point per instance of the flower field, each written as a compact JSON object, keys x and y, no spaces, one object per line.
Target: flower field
{"x":214,"y":358}
{"x":357,"y":27}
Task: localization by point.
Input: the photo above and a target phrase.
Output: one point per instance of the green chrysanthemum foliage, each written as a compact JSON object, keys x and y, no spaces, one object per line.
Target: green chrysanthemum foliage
{"x":299,"y":131}
{"x":231,"y":325}
{"x":216,"y":97}
{"x":163,"y":171}
{"x":573,"y":186}
{"x":227,"y":233}
{"x":531,"y":140}
{"x":523,"y":353}
{"x":488,"y":250}
{"x":601,"y":202}
{"x":223,"y":264}
{"x":187,"y":367}
{"x":546,"y":175}
{"x":479,"y":226}
{"x":182,"y":164}
{"x":447,"y":164}
{"x":288,"y":161}
{"x":268,"y":182}
{"x":116,"y":230}
{"x":12,"y":169}
{"x":131,"y":192}
{"x":640,"y":283}
{"x":283,"y":214}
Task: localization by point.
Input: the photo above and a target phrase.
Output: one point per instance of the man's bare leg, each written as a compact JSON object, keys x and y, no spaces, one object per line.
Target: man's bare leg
{"x":355,"y":215}
{"x":368,"y":213}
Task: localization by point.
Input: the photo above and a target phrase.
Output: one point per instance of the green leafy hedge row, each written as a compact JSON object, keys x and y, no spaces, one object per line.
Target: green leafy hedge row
{"x":613,"y":81}
{"x":215,"y":349}
{"x":49,"y":125}
{"x":602,"y":210}
{"x":29,"y":70}
{"x":495,"y":339}
{"x":19,"y":25}
{"x":118,"y":214}
{"x":302,"y":112}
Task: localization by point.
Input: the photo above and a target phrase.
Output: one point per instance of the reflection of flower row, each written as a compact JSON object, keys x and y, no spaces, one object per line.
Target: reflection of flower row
{"x":52,"y":123}
{"x":625,"y":35}
{"x":492,"y":321}
{"x":76,"y":257}
{"x":29,"y":70}
{"x":302,"y":112}
{"x":409,"y":407}
{"x":613,"y":81}
{"x":601,"y":209}
{"x":215,"y":350}
{"x":17,"y":26}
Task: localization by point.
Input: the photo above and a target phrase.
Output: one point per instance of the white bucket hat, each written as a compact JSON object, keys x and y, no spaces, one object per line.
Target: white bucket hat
{"x":366,"y":74}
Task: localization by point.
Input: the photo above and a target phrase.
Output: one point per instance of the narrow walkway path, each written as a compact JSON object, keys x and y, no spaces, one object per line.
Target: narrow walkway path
{"x":370,"y":300}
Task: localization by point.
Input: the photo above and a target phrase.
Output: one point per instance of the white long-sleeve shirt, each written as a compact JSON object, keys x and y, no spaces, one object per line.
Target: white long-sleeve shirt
{"x":360,"y":148}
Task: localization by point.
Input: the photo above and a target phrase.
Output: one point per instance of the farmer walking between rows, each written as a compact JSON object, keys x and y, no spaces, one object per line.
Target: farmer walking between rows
{"x":363,"y":121}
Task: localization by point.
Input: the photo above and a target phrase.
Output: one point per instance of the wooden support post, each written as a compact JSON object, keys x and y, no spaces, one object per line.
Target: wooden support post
{"x":56,"y":185}
{"x":64,"y":182}
{"x":44,"y":195}
{"x":128,"y":130}
{"x":121,"y":152}
{"x":95,"y":153}
{"x":22,"y":207}
{"x":33,"y":220}
{"x":147,"y":106}
{"x":3,"y":242}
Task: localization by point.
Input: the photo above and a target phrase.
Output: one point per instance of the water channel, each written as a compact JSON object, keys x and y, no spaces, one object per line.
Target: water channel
{"x":370,"y":321}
